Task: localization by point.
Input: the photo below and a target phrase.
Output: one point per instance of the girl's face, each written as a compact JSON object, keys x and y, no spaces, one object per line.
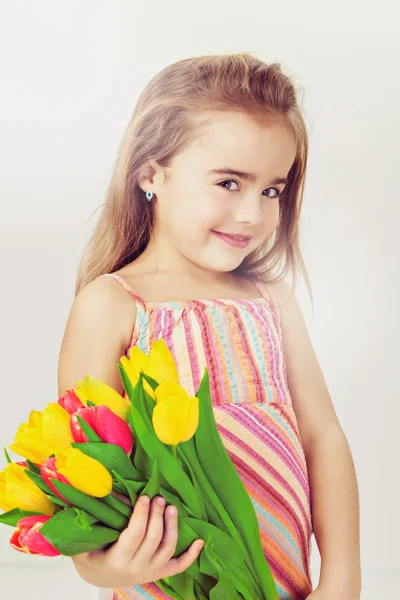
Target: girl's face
{"x":210,"y":216}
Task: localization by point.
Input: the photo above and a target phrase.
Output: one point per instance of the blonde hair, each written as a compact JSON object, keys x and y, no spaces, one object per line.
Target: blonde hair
{"x":164,"y":123}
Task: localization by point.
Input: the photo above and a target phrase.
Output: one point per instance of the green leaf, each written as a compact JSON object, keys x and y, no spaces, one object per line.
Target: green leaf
{"x":228,"y":550}
{"x":90,"y":403}
{"x":196,"y":474}
{"x":144,"y":406}
{"x":152,"y":487}
{"x":171,"y":498}
{"x":109,"y":516}
{"x":70,"y":539}
{"x":7,"y":455}
{"x":83,"y":519}
{"x":118,"y":505}
{"x":224,"y":589}
{"x":168,"y":590}
{"x":32,"y":467}
{"x":57,"y":500}
{"x":132,"y":488}
{"x":223,"y":477}
{"x":87,"y":430}
{"x":111,"y":456}
{"x":116,"y":486}
{"x":126,"y":382}
{"x":171,"y":475}
{"x":152,"y":382}
{"x":182,"y":584}
{"x":11,"y":517}
{"x":38,"y":480}
{"x":200,"y":593}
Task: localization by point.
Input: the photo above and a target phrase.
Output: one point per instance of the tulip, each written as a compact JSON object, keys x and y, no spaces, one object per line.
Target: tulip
{"x":108,"y":426}
{"x":28,"y":539}
{"x":17,"y":490}
{"x":100,"y":393}
{"x":175,"y":416}
{"x":159,"y":364}
{"x":70,"y":402}
{"x":37,"y":439}
{"x":83,"y":472}
{"x":49,"y":471}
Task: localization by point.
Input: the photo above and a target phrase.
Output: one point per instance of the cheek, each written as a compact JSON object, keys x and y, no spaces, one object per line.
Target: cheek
{"x":271,"y":217}
{"x":213,"y":211}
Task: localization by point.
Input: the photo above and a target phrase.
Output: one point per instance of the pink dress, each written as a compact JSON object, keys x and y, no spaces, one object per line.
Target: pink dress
{"x":240,"y":342}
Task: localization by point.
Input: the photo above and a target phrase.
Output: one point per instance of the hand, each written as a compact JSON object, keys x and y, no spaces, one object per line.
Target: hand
{"x":143,"y":551}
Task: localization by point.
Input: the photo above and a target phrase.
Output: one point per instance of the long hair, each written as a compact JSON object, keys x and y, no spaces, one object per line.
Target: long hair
{"x":164,"y":123}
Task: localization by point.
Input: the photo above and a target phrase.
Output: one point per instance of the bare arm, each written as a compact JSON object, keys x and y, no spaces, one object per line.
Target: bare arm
{"x":96,"y":335}
{"x":334,"y":491}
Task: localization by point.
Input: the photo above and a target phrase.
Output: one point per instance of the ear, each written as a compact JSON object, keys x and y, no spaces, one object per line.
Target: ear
{"x":151,"y":176}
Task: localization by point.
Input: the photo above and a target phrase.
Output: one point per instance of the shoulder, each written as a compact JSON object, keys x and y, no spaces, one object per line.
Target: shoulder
{"x":106,"y":302}
{"x":97,"y":334}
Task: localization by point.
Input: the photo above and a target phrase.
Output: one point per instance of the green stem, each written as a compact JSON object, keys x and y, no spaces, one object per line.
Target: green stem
{"x":118,"y":504}
{"x":109,"y":516}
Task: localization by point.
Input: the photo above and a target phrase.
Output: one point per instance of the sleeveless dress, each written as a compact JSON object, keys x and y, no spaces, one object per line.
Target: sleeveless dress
{"x":240,"y":342}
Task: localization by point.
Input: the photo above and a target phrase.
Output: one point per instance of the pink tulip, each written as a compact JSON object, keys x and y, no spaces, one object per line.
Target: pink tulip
{"x":28,"y":539}
{"x":108,"y":426}
{"x":70,"y":402}
{"x":49,"y":471}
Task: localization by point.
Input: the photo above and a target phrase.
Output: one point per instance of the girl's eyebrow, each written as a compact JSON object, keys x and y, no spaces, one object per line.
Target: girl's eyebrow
{"x":243,"y":174}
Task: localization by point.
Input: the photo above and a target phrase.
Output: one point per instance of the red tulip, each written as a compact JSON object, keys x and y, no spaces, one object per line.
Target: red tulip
{"x":28,"y":539}
{"x":49,"y":471}
{"x":108,"y":426}
{"x":70,"y":402}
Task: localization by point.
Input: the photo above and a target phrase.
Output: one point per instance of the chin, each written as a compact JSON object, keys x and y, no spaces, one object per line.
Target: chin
{"x":223,"y":266}
{"x":217,"y":261}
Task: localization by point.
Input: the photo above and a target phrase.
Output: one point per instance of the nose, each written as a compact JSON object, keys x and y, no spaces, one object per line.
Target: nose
{"x":249,"y":211}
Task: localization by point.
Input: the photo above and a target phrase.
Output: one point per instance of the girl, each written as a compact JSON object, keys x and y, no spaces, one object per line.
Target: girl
{"x":198,"y":231}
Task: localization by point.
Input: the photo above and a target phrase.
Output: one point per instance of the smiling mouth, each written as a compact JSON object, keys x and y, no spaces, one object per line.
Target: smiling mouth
{"x":233,"y":239}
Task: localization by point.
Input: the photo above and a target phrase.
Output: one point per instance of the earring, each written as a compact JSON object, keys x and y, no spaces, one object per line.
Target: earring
{"x":149,"y":195}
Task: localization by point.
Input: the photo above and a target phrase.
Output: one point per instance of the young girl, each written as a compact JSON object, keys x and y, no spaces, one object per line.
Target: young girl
{"x":199,"y":229}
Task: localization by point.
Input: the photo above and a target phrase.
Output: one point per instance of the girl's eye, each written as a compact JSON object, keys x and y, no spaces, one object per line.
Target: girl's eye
{"x":278,"y":193}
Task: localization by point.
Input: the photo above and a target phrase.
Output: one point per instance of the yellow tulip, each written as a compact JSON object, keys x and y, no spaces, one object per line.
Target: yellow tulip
{"x":37,"y":439}
{"x":83,"y":472}
{"x":56,"y":426}
{"x":159,"y":364}
{"x":17,"y":490}
{"x":175,"y":416}
{"x":100,"y":393}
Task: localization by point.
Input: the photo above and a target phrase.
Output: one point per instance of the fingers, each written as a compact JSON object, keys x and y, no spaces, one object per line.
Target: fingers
{"x":168,"y":543}
{"x":132,"y":536}
{"x":182,"y":562}
{"x":154,"y":532}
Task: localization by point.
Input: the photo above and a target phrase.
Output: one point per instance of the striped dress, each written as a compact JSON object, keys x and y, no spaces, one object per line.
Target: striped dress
{"x":240,"y":342}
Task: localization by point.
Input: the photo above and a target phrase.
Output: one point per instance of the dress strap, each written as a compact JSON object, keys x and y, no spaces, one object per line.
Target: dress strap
{"x":273,"y":306}
{"x":125,"y":285}
{"x":261,"y":288}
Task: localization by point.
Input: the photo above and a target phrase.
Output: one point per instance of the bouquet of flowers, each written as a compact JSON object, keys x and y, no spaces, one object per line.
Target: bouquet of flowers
{"x":93,"y":447}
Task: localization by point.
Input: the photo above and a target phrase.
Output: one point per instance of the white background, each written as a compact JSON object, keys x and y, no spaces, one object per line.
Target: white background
{"x":71,"y":73}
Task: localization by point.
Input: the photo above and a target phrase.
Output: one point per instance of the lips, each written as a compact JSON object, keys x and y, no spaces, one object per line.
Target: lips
{"x":233,"y":239}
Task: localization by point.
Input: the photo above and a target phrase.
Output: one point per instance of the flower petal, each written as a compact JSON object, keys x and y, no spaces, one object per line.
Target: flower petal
{"x":55,"y":426}
{"x":83,"y":472}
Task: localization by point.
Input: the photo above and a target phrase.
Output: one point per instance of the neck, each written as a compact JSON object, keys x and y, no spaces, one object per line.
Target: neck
{"x":162,"y":258}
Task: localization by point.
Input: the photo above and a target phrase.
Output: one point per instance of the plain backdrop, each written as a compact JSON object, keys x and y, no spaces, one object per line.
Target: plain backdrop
{"x":71,"y":73}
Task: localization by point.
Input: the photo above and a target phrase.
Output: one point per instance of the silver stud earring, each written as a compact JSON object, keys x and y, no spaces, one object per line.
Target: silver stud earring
{"x":149,"y":195}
